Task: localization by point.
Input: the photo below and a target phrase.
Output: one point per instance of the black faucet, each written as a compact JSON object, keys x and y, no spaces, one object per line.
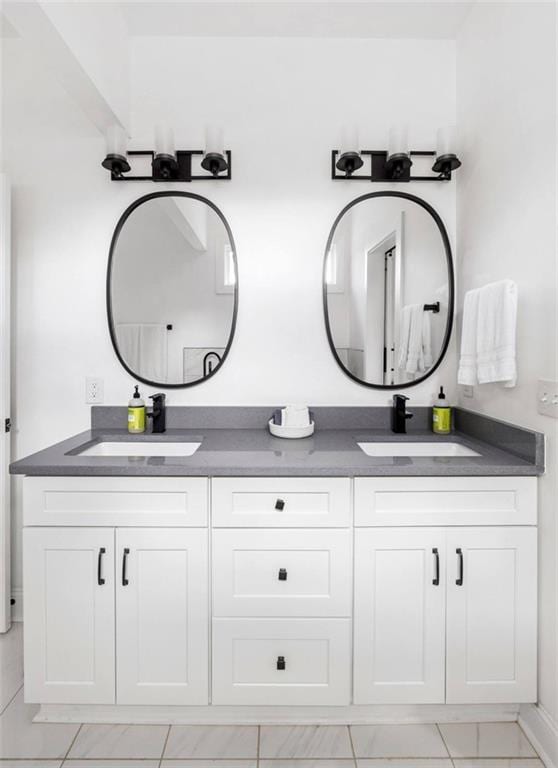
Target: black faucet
{"x":158,"y":412}
{"x":399,"y":414}
{"x":208,"y":363}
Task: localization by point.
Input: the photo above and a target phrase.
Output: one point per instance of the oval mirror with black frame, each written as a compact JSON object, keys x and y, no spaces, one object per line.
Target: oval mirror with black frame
{"x":172,"y":289}
{"x":388,"y":287}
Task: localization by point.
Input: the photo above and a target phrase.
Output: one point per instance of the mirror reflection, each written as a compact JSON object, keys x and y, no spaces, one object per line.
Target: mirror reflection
{"x":172,"y":289}
{"x":388,"y":289}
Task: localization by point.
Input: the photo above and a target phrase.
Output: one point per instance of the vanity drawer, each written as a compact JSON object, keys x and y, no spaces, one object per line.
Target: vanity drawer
{"x":277,"y":661}
{"x":445,"y":501}
{"x":116,"y":501}
{"x":283,"y":502}
{"x":282,"y":573}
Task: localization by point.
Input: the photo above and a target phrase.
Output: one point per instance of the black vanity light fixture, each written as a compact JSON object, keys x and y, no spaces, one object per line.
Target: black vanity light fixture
{"x":348,"y":159}
{"x":394,"y":164}
{"x":167,"y":163}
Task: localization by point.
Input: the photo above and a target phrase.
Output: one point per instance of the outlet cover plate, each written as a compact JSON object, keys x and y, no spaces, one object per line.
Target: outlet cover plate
{"x":94,"y":391}
{"x":547,"y":398}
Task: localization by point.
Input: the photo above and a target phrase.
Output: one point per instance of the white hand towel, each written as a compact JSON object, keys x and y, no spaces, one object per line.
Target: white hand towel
{"x":128,"y":337}
{"x":467,"y":371}
{"x":496,"y":331}
{"x":427,"y":340}
{"x":404,"y":337}
{"x":415,"y":357}
{"x":153,"y":352}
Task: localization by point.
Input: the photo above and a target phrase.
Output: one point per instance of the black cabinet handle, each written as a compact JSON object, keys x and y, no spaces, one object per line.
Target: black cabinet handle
{"x":436,"y":579}
{"x":459,"y":579}
{"x":281,"y":664}
{"x":282,"y":574}
{"x":100,"y":580}
{"x":125,"y":581}
{"x":279,"y":504}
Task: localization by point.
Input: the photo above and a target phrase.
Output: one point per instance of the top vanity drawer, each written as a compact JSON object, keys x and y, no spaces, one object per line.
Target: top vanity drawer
{"x":445,"y":501}
{"x":116,"y":501}
{"x":283,"y":502}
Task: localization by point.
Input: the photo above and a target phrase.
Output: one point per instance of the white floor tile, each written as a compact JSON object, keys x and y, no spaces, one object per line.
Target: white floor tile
{"x":207,"y":764}
{"x":499,"y":762}
{"x":410,"y":741}
{"x":212,"y":741}
{"x":107,"y":764}
{"x":394,"y":762}
{"x":486,"y":740}
{"x":317,"y":763}
{"x":305,"y":741}
{"x":11,"y":664}
{"x":21,"y":738}
{"x":31,"y":764}
{"x":125,"y":742}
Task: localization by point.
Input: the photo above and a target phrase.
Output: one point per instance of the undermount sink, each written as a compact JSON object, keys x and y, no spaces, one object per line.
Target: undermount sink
{"x":143,"y":448}
{"x":416,"y":449}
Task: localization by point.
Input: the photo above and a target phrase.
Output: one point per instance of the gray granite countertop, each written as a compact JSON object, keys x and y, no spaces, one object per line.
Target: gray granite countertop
{"x":254,"y":452}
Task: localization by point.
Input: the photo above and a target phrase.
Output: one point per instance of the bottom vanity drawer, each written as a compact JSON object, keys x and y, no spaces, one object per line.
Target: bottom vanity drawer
{"x":278,"y":661}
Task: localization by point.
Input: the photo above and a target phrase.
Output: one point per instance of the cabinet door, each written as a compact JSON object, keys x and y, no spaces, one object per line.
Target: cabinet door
{"x":492,"y":615}
{"x":162,"y":616}
{"x":69,"y":615}
{"x":399,"y":616}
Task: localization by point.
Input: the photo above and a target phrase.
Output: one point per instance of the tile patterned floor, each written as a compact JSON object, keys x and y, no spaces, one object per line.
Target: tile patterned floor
{"x":24,"y":744}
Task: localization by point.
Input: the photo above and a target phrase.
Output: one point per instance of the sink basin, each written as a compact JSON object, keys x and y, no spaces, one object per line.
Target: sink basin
{"x":144,"y":448}
{"x":416,"y":449}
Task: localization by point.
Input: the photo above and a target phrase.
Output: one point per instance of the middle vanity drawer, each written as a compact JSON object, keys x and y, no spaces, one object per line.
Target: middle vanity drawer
{"x":281,"y":502}
{"x":282,"y":573}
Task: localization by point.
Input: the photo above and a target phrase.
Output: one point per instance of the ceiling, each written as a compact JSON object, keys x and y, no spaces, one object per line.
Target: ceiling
{"x":305,"y":18}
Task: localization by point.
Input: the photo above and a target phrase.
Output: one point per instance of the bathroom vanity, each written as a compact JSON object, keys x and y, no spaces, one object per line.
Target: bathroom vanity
{"x":253,"y":572}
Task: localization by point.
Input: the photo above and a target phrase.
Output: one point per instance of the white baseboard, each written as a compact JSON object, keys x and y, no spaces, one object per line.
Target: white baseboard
{"x":17,"y":608}
{"x":244,"y":715}
{"x":542,"y":731}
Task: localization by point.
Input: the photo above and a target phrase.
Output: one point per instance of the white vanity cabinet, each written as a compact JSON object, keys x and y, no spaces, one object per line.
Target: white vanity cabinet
{"x":291,"y":591}
{"x":445,"y":613}
{"x":282,"y":590}
{"x":116,"y":614}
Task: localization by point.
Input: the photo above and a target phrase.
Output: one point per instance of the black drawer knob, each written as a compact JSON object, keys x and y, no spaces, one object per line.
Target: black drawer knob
{"x":281,"y":664}
{"x":282,"y":574}
{"x":279,"y":504}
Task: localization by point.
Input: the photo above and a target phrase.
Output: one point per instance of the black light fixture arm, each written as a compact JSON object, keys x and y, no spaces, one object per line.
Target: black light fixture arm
{"x":179,"y":168}
{"x":380,"y":169}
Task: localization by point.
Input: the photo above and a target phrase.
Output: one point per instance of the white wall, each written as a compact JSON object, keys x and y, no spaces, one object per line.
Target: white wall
{"x":282,"y":103}
{"x":506,"y":72}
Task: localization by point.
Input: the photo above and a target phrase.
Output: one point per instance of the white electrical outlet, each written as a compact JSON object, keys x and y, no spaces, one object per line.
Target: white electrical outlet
{"x":547,"y":398}
{"x":468,"y":390}
{"x":94,"y":391}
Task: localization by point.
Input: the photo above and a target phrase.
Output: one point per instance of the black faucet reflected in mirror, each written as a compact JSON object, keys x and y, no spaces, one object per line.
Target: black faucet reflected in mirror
{"x":208,"y":361}
{"x":400,"y":414}
{"x":158,"y":412}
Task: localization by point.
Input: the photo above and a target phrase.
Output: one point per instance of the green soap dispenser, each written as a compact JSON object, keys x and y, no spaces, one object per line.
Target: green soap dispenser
{"x":136,"y":413}
{"x":441,"y":415}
